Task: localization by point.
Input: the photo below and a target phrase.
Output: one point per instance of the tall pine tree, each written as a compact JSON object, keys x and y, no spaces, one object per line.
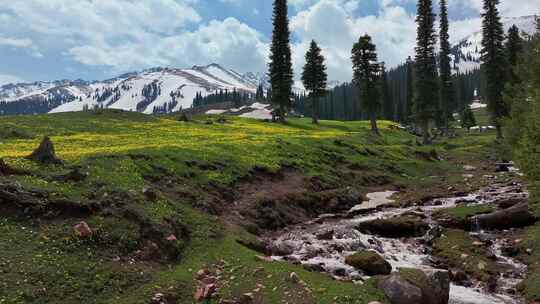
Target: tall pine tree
{"x":366,"y":73}
{"x":494,"y":63}
{"x":280,"y":66}
{"x":314,"y":78}
{"x":427,"y":86}
{"x":447,"y":91}
{"x":388,"y":107}
{"x":514,"y":46}
{"x":259,"y":95}
{"x":409,"y":101}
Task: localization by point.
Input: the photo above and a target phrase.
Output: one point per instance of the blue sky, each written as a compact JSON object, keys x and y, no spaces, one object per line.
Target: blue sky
{"x":98,"y":39}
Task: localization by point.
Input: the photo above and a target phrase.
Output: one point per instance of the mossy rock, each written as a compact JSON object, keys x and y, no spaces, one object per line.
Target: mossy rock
{"x":435,"y":284}
{"x":461,"y":251}
{"x":369,"y":262}
{"x":415,"y":276}
{"x":397,"y":227}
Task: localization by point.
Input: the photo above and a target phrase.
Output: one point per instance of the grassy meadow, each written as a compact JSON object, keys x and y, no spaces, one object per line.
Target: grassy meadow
{"x":193,"y":165}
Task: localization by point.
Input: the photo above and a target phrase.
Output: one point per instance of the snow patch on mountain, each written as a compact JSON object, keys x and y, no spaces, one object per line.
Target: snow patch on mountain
{"x":149,"y":91}
{"x":466,"y":52}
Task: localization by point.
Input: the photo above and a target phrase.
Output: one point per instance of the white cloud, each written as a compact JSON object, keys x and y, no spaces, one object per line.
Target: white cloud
{"x":15,"y":42}
{"x":332,"y":24}
{"x":125,"y":34}
{"x":6,"y":79}
{"x":228,"y":42}
{"x":508,"y":8}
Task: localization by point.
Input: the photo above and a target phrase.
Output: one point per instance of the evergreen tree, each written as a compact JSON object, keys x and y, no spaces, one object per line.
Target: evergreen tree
{"x":467,"y":119}
{"x":388,"y":107}
{"x":314,"y":78}
{"x":521,"y":95}
{"x":514,"y":46}
{"x":447,"y":91}
{"x":494,"y":62}
{"x":259,"y":95}
{"x":366,"y":72}
{"x":427,"y":87}
{"x":280,"y":66}
{"x":409,"y":103}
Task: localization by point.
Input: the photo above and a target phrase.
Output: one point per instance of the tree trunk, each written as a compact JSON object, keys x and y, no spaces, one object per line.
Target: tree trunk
{"x":315,"y":110}
{"x":282,"y":113}
{"x":425,"y":132}
{"x":500,"y":136}
{"x":374,"y":128}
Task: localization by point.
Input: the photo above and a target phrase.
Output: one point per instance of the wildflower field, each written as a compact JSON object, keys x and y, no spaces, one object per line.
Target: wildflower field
{"x":122,"y":154}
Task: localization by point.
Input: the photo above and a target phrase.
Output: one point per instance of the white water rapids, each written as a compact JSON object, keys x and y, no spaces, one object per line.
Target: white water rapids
{"x":308,"y":245}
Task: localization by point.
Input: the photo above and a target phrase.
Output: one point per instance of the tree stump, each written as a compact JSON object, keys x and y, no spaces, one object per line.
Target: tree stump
{"x":45,"y":153}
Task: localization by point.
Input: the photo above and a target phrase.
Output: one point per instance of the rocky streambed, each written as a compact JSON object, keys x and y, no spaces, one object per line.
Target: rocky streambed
{"x":375,"y":238}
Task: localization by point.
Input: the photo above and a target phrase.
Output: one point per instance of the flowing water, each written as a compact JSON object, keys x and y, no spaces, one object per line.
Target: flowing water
{"x":323,"y":244}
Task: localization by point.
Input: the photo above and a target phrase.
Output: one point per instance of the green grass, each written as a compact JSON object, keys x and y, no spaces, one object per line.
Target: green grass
{"x":457,"y":248}
{"x":531,"y":285}
{"x":190,"y":163}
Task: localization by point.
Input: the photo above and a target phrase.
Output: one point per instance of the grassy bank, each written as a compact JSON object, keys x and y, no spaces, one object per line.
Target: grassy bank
{"x":146,"y":178}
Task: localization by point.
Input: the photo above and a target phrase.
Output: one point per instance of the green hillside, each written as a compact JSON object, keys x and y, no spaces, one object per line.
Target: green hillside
{"x":136,"y":180}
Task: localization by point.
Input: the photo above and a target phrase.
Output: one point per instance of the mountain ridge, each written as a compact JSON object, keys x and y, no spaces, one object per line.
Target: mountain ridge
{"x":147,"y":91}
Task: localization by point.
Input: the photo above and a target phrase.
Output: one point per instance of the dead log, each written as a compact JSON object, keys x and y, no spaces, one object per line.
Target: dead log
{"x":514,"y":217}
{"x":45,"y":153}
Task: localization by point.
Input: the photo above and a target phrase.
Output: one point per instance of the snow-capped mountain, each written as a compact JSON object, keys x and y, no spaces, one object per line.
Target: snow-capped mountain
{"x":466,"y":52}
{"x":149,"y":91}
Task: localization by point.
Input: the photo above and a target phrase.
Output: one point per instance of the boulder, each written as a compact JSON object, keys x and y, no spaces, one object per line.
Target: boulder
{"x":400,"y":291}
{"x":294,"y":278}
{"x":204,"y":292}
{"x":469,"y":168}
{"x":437,"y":290}
{"x":326,"y":235}
{"x":369,"y":262}
{"x":433,"y":234}
{"x":281,"y":248}
{"x":458,"y":276}
{"x":503,"y":167}
{"x":82,"y":229}
{"x":514,"y":217}
{"x":247,"y":298}
{"x":314,"y":267}
{"x":255,"y":244}
{"x":397,"y":227}
{"x":430,"y":286}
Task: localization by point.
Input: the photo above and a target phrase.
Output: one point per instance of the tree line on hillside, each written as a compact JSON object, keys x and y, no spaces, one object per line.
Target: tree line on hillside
{"x":238,"y":98}
{"x":342,"y":102}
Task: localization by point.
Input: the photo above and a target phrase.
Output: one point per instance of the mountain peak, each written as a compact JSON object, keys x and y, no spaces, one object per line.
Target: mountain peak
{"x":155,"y":89}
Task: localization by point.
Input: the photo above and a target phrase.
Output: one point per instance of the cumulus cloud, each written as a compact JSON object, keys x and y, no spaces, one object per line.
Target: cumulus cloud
{"x":15,"y":42}
{"x":6,"y":79}
{"x":513,"y":8}
{"x":126,"y":34}
{"x":332,"y":24}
